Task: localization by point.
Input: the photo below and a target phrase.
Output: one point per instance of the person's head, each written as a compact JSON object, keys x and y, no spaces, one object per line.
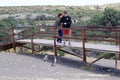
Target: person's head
{"x":65,"y":13}
{"x":59,"y":15}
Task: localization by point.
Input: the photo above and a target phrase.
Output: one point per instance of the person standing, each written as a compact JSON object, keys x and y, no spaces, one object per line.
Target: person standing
{"x":66,"y":25}
{"x":58,"y":24}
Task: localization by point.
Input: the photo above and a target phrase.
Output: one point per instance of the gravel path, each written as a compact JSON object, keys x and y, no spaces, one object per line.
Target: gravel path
{"x":32,"y":67}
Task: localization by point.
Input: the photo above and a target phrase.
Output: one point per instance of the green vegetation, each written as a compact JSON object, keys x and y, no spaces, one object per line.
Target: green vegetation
{"x":110,"y":17}
{"x":61,"y":53}
{"x":46,"y":15}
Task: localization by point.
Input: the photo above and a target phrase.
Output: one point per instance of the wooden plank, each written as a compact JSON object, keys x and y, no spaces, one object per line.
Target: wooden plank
{"x":89,"y":46}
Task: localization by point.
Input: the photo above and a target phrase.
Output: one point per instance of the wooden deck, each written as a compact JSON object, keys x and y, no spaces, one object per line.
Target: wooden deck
{"x":78,"y":34}
{"x":89,"y":46}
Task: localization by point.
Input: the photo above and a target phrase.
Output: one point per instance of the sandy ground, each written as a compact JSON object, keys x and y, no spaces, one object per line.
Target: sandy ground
{"x":32,"y":67}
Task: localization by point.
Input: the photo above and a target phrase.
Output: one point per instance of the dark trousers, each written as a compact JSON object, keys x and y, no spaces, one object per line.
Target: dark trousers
{"x":60,"y":34}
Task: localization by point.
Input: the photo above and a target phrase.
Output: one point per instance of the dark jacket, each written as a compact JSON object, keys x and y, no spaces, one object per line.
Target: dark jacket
{"x":67,"y":20}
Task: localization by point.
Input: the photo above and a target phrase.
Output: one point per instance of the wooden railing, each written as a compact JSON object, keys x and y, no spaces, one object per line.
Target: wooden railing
{"x":110,"y":35}
{"x":91,"y":34}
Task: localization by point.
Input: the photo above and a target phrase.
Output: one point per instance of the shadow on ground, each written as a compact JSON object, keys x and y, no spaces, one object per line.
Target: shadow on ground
{"x":77,"y":64}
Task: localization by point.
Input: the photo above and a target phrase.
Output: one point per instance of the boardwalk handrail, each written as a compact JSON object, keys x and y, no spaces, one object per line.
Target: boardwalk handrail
{"x":104,"y":31}
{"x":94,"y":34}
{"x":83,"y":34}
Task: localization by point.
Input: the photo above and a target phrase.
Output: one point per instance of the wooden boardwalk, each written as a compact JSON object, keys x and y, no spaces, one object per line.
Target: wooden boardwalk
{"x":89,"y":46}
{"x":82,"y":35}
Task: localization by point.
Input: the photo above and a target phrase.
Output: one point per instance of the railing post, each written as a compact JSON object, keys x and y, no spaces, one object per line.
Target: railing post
{"x":117,"y":53}
{"x":119,"y":46}
{"x":117,"y":38}
{"x":32,"y":40}
{"x":116,"y":59}
{"x":55,"y":47}
{"x":13,"y":39}
{"x":83,"y":44}
{"x":39,"y":35}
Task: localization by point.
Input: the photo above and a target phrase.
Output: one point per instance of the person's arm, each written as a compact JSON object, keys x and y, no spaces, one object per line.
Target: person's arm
{"x":57,"y":22}
{"x":62,"y":21}
{"x":69,"y":21}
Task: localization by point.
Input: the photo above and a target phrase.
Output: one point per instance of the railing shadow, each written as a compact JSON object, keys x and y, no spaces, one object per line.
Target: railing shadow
{"x":77,"y":64}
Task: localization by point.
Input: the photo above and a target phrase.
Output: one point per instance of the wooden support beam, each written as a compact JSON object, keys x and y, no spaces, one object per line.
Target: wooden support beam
{"x":32,"y":40}
{"x":13,"y":39}
{"x":21,"y":48}
{"x":71,"y":53}
{"x":31,"y":49}
{"x":99,"y":58}
{"x":116,"y":59}
{"x":83,"y":46}
{"x":55,"y":47}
